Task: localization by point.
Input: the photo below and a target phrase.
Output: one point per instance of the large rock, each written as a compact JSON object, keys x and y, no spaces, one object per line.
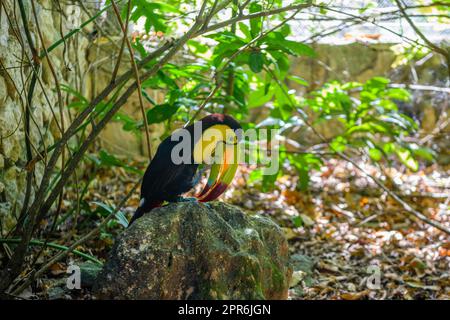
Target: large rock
{"x":191,"y":250}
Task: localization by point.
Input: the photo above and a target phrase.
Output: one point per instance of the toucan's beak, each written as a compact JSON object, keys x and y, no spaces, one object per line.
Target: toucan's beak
{"x":221,"y":175}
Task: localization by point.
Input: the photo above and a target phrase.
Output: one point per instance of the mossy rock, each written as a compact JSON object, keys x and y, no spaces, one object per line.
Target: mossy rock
{"x":190,"y":250}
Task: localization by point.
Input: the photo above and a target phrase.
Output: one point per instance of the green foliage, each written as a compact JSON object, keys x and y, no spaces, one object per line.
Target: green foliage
{"x":105,"y":159}
{"x":304,"y":163}
{"x":153,"y":12}
{"x":371,"y":123}
{"x":105,"y":210}
{"x":254,"y":68}
{"x":370,"y":119}
{"x":161,"y":112}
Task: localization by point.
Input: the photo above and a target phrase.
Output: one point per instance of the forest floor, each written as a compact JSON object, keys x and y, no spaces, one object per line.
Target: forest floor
{"x":349,"y":232}
{"x":347,"y":239}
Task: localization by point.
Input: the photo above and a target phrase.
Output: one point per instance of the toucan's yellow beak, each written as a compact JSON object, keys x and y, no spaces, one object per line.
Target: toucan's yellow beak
{"x":221,"y":174}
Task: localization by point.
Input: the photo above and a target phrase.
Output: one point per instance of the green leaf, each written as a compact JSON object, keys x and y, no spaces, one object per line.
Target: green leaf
{"x":423,"y":152}
{"x":398,"y":94}
{"x":161,"y":112}
{"x":120,"y":216}
{"x":258,"y":97}
{"x":376,"y":83}
{"x":255,"y":176}
{"x":351,"y":85}
{"x":256,"y":61}
{"x":400,"y":120}
{"x":371,"y":127}
{"x":245,"y":30}
{"x":81,"y":102}
{"x":255,"y":23}
{"x":339,"y":144}
{"x":280,"y":59}
{"x":299,"y":80}
{"x":129,"y":124}
{"x":300,"y":49}
{"x":375,"y":154}
{"x":197,"y":47}
{"x":407,"y":159}
{"x":277,"y":41}
{"x":122,"y":219}
{"x":139,"y":47}
{"x":285,"y":30}
{"x":108,"y":159}
{"x":154,"y":13}
{"x":297,"y":221}
{"x":382,"y":80}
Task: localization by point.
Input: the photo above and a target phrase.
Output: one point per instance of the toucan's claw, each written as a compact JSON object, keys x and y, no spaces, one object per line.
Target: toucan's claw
{"x":207,"y":205}
{"x":186,"y":199}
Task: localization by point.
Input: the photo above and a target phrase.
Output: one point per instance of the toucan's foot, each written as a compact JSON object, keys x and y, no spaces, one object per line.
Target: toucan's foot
{"x":187,"y":199}
{"x":207,"y":205}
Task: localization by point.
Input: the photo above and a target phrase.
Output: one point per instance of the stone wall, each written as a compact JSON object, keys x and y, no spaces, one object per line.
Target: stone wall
{"x":85,"y":62}
{"x":70,"y":64}
{"x":360,"y":62}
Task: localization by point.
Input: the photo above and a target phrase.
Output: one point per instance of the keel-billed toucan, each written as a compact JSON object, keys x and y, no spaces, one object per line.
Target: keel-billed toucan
{"x":166,"y":179}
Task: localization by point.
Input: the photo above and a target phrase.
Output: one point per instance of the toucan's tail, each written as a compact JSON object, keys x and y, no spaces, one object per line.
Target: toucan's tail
{"x":144,"y":207}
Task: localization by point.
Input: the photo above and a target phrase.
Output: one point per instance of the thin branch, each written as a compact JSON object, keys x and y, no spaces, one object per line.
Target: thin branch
{"x":54,"y":246}
{"x":254,"y":15}
{"x":77,"y":243}
{"x":419,"y":87}
{"x":61,"y":111}
{"x":13,"y":265}
{"x":443,"y":52}
{"x":368,"y":20}
{"x":217,"y":75}
{"x":136,"y":72}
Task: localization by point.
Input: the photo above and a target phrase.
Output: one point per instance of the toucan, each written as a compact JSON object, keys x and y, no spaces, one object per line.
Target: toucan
{"x":174,"y":170}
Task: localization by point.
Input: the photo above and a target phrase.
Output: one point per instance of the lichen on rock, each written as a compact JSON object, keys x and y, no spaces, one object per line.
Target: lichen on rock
{"x":191,"y":250}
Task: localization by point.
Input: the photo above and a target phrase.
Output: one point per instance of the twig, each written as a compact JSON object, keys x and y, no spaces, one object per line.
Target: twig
{"x":77,"y":243}
{"x":369,"y":20}
{"x":443,"y":52}
{"x":54,"y":246}
{"x":204,"y":103}
{"x":267,"y":13}
{"x":98,"y":26}
{"x":419,"y":87}
{"x":35,"y":70}
{"x":61,"y":111}
{"x":74,"y":31}
{"x":136,"y":72}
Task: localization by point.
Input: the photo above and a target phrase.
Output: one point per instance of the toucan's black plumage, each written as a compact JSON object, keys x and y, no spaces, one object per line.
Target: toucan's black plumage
{"x":167,"y":181}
